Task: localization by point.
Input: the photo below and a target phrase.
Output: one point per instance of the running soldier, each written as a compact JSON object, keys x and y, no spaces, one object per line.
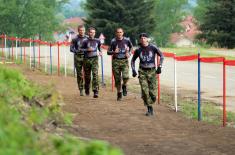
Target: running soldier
{"x":92,"y":50}
{"x":147,"y":70}
{"x":120,"y":49}
{"x":79,"y":55}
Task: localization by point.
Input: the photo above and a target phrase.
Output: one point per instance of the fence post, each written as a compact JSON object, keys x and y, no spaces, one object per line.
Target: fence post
{"x":65,"y":63}
{"x":30,"y":53}
{"x":224,"y":94}
{"x":12,"y":50}
{"x":175,"y":83}
{"x":45,"y":53}
{"x":34,"y":55}
{"x":199,"y":88}
{"x":50,"y":59}
{"x":16,"y":48}
{"x":2,"y":49}
{"x":5,"y":47}
{"x":39,"y":54}
{"x":58,"y":62}
{"x":102,"y":70}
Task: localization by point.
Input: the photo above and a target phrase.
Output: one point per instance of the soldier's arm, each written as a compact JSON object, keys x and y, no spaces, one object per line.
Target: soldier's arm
{"x":99,"y":48}
{"x":99,"y":45}
{"x":135,"y":56}
{"x":73,"y":46}
{"x":159,"y":53}
{"x":111,"y":49}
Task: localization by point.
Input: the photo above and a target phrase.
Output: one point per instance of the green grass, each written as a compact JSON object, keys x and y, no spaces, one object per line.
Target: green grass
{"x":211,"y":113}
{"x":191,"y":51}
{"x":23,"y":121}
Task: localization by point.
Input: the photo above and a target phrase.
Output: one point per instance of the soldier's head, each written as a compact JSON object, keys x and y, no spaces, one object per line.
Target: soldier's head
{"x":81,"y":30}
{"x":119,"y":33}
{"x":144,"y":40}
{"x":91,"y":32}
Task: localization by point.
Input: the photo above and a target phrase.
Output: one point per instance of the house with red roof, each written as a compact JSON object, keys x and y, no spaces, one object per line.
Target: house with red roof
{"x":187,"y":36}
{"x":71,"y":25}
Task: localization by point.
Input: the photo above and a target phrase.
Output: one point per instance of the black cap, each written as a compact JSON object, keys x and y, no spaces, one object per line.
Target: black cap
{"x":143,"y":35}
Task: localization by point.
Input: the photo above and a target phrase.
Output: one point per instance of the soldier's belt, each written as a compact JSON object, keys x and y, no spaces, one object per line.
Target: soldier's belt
{"x":78,"y":53}
{"x":147,"y":69}
{"x":119,"y":58}
{"x":91,"y":57}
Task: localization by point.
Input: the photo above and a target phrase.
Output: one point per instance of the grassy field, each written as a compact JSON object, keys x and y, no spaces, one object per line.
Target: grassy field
{"x":211,"y":112}
{"x":205,"y":52}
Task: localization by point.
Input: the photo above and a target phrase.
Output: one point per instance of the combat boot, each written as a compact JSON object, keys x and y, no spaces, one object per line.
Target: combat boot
{"x":119,"y":96}
{"x":87,"y":91}
{"x":81,"y":92}
{"x":95,"y":94}
{"x":149,"y":111}
{"x":124,"y":90}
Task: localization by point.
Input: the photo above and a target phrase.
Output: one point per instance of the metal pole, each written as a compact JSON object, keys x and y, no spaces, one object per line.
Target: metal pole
{"x":199,"y":88}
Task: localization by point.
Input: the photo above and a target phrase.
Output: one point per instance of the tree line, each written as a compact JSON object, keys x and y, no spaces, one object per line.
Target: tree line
{"x":215,"y":18}
{"x":30,"y":18}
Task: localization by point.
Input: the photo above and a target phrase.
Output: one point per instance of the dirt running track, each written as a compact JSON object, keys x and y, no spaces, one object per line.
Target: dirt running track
{"x":123,"y":123}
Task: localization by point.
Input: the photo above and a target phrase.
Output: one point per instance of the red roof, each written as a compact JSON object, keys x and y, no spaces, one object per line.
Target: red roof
{"x":75,"y":20}
{"x":190,"y":30}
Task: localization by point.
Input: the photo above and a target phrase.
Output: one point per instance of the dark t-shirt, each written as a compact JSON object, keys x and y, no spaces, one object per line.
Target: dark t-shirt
{"x":147,"y":56}
{"x":91,"y":43}
{"x":76,"y":44}
{"x":122,"y":45}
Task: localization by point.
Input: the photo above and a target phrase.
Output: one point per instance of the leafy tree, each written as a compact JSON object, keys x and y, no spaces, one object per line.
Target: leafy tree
{"x":134,"y":16}
{"x":200,"y":10}
{"x":218,"y":23}
{"x":168,"y":15}
{"x":27,"y":18}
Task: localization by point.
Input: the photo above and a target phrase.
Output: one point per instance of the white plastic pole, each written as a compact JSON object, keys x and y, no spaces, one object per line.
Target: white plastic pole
{"x":65,"y":62}
{"x":175,"y":84}
{"x":16,"y":48}
{"x":6,"y":46}
{"x":46,"y":58}
{"x":30,"y":52}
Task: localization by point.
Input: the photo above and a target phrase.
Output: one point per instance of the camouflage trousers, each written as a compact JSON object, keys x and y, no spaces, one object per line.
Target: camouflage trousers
{"x":91,"y":65}
{"x":148,"y":83}
{"x":120,"y":69}
{"x":78,"y":63}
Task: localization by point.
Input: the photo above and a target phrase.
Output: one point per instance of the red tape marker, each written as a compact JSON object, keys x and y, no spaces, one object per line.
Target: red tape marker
{"x":168,"y":54}
{"x":186,"y":58}
{"x":212,"y":59}
{"x":230,"y":62}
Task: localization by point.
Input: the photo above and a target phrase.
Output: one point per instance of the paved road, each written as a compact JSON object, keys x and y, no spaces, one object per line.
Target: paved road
{"x":211,"y":79}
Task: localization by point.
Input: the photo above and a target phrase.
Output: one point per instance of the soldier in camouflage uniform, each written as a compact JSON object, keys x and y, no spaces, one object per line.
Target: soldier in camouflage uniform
{"x":79,"y":55}
{"x":92,"y":50}
{"x":120,"y":50}
{"x":147,"y":70}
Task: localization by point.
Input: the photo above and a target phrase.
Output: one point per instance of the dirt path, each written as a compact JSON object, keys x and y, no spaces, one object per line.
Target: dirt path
{"x":124,"y":124}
